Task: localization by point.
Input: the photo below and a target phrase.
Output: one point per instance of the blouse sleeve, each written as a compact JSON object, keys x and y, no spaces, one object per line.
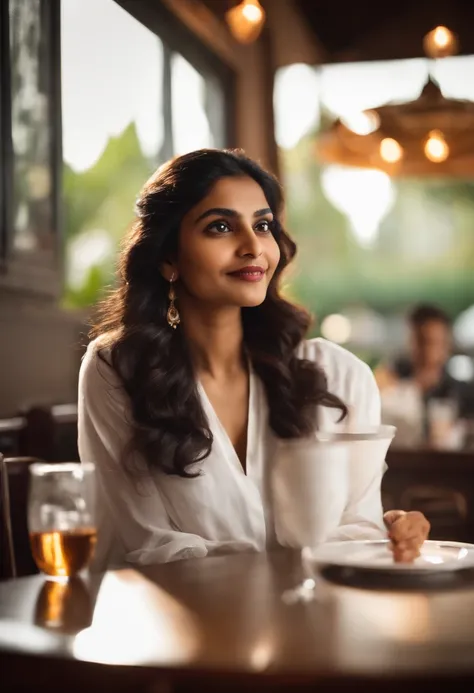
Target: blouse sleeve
{"x":132,"y":507}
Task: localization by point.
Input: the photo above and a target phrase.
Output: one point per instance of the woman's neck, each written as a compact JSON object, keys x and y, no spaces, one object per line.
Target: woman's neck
{"x":215,"y":340}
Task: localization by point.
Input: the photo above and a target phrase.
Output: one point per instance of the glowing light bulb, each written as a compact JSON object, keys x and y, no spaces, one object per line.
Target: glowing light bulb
{"x":440,"y":43}
{"x":390,"y":150}
{"x":362,"y":123}
{"x":246,"y":20}
{"x":436,"y":148}
{"x":253,"y":13}
{"x":441,"y":36}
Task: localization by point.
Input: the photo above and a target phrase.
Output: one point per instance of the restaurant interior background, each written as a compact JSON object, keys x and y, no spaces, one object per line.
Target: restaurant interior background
{"x":378,"y":167}
{"x":366,"y":115}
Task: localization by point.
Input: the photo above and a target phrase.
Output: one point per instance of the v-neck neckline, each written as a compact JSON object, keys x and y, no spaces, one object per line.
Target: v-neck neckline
{"x":250,"y":424}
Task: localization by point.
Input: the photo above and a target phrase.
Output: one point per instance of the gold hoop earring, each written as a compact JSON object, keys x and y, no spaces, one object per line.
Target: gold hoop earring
{"x":172,"y":315}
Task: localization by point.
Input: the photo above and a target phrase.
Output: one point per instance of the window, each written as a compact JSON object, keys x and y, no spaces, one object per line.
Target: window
{"x":30,"y":163}
{"x":196,"y":107}
{"x":98,"y":95}
{"x":128,"y":105}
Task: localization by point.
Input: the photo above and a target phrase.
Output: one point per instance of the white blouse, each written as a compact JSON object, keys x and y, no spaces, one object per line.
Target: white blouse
{"x":162,"y":518}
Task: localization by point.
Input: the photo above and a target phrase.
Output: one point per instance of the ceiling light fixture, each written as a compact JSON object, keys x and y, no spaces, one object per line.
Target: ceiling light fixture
{"x":246,"y":20}
{"x":440,"y":43}
{"x":436,"y":148}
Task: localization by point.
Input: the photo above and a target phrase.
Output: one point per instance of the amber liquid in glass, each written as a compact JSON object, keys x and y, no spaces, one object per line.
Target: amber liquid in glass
{"x":63,"y":553}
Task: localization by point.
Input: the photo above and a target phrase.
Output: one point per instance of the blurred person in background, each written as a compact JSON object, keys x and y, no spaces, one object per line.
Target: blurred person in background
{"x":417,"y":388}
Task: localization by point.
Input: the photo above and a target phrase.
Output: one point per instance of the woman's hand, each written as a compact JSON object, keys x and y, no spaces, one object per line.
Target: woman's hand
{"x":407,"y":531}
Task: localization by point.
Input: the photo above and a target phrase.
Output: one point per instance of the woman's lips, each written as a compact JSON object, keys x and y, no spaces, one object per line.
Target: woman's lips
{"x":249,"y":274}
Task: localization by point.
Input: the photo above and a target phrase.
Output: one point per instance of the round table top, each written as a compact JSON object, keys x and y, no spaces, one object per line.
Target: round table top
{"x":226,"y":615}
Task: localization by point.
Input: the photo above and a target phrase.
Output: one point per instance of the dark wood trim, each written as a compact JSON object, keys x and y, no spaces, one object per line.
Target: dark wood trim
{"x":230,"y":98}
{"x":269,"y":115}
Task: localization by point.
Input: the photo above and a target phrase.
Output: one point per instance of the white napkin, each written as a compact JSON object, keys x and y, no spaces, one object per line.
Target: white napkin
{"x":311,"y":483}
{"x":310,"y":489}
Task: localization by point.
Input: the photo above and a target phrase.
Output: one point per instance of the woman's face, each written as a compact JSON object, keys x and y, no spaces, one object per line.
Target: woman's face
{"x":227,"y":253}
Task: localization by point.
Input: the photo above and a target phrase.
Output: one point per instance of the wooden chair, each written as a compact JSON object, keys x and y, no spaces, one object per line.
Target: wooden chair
{"x":50,"y":433}
{"x":15,"y":553}
{"x":11,"y":432}
{"x":65,"y":441}
{"x":445,"y":508}
{"x":37,"y":437}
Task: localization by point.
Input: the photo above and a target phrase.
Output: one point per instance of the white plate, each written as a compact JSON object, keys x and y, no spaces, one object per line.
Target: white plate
{"x":375,"y":556}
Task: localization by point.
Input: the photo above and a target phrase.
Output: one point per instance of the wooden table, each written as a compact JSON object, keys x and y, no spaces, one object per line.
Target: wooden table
{"x":221,"y":623}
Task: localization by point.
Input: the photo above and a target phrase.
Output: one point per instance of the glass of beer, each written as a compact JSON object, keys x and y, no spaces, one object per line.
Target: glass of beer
{"x":61,"y":518}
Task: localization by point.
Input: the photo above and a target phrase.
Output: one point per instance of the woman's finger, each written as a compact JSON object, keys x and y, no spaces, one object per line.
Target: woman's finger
{"x":409,"y":525}
{"x":391,"y":516}
{"x":406,"y":556}
{"x":407,"y":534}
{"x":413,"y":544}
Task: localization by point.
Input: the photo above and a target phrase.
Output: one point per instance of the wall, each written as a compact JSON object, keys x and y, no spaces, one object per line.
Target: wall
{"x":292,"y":39}
{"x":39,"y":353}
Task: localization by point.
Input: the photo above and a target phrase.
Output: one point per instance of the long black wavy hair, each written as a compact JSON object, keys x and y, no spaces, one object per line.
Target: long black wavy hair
{"x":169,"y":427}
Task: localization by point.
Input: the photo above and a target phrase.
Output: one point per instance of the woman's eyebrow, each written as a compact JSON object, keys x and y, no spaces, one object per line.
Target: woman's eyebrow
{"x":226,"y":212}
{"x":218,"y":211}
{"x":262,"y":212}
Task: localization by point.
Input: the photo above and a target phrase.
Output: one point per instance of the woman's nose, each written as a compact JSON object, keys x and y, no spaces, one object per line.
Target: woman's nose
{"x":250,"y":244}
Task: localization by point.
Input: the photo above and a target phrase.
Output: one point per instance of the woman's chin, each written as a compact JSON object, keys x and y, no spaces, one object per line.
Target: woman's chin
{"x":245,"y":298}
{"x":253,"y":303}
{"x":252,"y":296}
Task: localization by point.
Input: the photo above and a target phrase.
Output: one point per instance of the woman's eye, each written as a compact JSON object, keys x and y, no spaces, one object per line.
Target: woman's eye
{"x":263,"y":226}
{"x":219,"y":227}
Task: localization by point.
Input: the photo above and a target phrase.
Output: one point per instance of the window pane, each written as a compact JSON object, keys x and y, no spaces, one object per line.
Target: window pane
{"x":195,"y":100}
{"x":112,"y":133}
{"x":31,"y":134}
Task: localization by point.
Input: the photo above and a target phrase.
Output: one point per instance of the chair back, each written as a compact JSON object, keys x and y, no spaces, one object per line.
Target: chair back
{"x":11,"y":432}
{"x":15,"y":552}
{"x":446,"y":509}
{"x":49,"y":433}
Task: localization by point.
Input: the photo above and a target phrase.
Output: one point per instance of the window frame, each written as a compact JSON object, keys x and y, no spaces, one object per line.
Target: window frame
{"x":47,"y":279}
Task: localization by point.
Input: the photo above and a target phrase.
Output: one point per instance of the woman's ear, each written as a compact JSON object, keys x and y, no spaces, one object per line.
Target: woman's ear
{"x":169,"y":271}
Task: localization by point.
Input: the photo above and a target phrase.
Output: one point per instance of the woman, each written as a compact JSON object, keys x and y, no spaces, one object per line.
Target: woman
{"x":199,"y":365}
